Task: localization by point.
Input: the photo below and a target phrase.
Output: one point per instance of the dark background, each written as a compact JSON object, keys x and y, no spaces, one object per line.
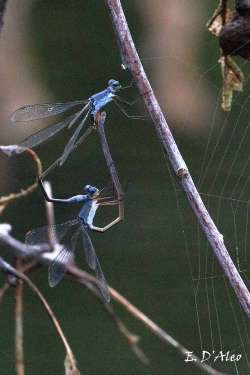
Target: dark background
{"x":153,"y":255}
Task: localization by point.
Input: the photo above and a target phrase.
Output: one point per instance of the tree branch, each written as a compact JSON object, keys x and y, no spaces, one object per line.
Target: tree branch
{"x":88,"y":280}
{"x":129,"y":53}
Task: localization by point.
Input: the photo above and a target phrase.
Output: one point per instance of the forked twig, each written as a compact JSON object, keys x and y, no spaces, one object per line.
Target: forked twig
{"x":12,"y":271}
{"x":131,"y":339}
{"x":165,"y":136}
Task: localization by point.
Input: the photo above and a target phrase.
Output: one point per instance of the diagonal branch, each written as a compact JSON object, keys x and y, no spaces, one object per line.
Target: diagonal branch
{"x":129,"y":53}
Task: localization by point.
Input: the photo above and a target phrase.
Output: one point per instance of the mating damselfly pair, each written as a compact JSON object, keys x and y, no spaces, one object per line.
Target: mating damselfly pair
{"x":70,"y":232}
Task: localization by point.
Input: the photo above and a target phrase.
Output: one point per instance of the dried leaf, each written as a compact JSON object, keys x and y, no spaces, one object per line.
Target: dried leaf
{"x":70,"y":366}
{"x":233,"y":80}
{"x":221,"y":15}
{"x":217,"y":23}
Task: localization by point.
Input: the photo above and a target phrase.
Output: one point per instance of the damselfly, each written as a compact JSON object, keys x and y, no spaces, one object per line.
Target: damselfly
{"x":71,"y":231}
{"x":91,"y":108}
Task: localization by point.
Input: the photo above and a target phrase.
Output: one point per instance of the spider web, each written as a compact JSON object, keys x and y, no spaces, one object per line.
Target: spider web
{"x":223,"y":180}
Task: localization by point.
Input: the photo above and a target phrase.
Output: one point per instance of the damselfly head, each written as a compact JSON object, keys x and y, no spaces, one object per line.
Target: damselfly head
{"x":114,"y":85}
{"x":91,"y":191}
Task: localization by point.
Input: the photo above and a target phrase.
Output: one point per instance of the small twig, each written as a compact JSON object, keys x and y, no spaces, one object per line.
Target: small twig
{"x":11,"y":270}
{"x":131,"y":339}
{"x":165,"y":136}
{"x":20,"y":369}
{"x":13,"y":150}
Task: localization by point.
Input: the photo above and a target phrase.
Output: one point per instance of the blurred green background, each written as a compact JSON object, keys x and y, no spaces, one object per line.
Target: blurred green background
{"x":154,"y":256}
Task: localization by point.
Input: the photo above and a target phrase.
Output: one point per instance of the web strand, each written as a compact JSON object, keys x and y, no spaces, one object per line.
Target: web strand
{"x":224,"y":180}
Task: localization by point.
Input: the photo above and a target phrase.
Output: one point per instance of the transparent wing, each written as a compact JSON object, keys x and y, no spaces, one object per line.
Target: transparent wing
{"x":71,"y":143}
{"x":94,"y":264}
{"x":65,"y":257}
{"x":58,"y":266}
{"x":58,"y":161}
{"x":38,"y":111}
{"x":103,"y":283}
{"x":40,"y":235}
{"x":89,"y":249}
{"x":79,"y":114}
{"x":47,"y":133}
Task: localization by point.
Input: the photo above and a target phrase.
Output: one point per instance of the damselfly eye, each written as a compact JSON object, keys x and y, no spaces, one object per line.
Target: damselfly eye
{"x":114,"y":83}
{"x":86,"y":188}
{"x":91,"y":190}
